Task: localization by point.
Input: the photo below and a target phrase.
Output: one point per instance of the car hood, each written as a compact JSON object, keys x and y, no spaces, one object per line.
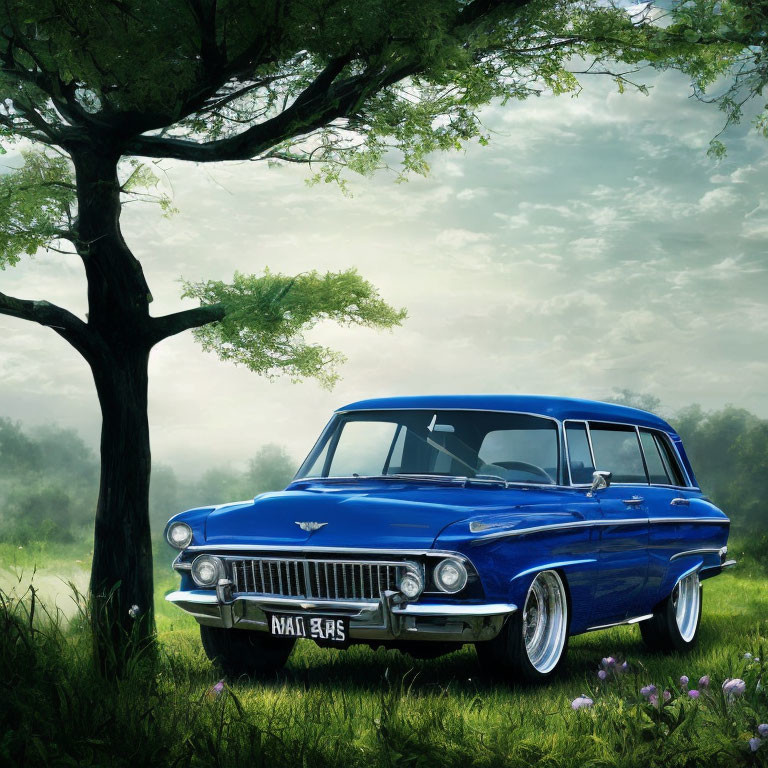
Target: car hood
{"x":380,"y":515}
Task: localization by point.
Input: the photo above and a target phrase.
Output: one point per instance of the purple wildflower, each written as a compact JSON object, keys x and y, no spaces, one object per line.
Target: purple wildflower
{"x":653,"y":700}
{"x":762,"y":730}
{"x":648,"y":690}
{"x":667,"y":695}
{"x":704,"y":681}
{"x":734,"y":687}
{"x":754,"y":743}
{"x":747,"y":656}
{"x":609,"y":662}
{"x":694,"y":694}
{"x":216,"y":689}
{"x":624,"y":667}
{"x":582,"y":702}
{"x":683,"y":681}
{"x":602,"y":674}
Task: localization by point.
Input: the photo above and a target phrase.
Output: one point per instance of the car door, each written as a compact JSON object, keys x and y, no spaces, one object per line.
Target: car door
{"x":668,"y":499}
{"x":624,"y":524}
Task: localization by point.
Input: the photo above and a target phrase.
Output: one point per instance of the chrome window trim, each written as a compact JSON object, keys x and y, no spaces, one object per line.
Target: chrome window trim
{"x":637,"y":428}
{"x":571,"y":484}
{"x":557,"y":422}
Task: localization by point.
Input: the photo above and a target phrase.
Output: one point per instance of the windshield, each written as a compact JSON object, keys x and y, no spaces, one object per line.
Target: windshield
{"x":513,"y":447}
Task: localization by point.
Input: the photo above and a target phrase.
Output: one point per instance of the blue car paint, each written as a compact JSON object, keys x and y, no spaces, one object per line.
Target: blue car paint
{"x":612,"y":572}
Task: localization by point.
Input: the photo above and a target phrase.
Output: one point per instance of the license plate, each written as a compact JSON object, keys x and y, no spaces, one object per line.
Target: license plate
{"x":334,"y":629}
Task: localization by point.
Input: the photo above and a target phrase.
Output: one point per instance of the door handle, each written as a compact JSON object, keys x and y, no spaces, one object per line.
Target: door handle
{"x":680,"y":502}
{"x":634,"y":501}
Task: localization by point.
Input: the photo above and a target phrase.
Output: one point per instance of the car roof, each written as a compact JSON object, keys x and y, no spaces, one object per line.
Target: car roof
{"x":560,"y":408}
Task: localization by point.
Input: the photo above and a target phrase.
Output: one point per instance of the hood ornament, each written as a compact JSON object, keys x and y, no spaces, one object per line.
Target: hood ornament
{"x":310,"y":527}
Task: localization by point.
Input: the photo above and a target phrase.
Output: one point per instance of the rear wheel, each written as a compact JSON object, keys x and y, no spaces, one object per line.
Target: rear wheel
{"x":675,"y":623}
{"x":245,"y":652}
{"x":532,"y":644}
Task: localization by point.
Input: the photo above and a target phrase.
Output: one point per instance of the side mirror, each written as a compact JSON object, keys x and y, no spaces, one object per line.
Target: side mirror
{"x":600,"y":481}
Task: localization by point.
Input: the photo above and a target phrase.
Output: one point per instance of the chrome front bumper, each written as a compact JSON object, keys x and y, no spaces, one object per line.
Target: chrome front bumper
{"x":384,"y":619}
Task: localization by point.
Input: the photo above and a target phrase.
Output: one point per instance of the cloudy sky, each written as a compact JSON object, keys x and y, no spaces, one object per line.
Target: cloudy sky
{"x":592,"y":246}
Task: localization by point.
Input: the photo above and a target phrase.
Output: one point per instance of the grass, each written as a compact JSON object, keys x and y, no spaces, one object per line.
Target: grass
{"x":371,"y":709}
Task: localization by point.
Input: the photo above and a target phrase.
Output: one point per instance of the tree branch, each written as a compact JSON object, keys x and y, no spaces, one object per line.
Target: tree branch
{"x":178,"y":322}
{"x":318,"y":104}
{"x":68,"y":326}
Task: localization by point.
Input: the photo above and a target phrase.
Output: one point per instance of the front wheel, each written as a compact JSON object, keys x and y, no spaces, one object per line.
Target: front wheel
{"x":532,"y":644}
{"x":675,"y":623}
{"x":245,"y":652}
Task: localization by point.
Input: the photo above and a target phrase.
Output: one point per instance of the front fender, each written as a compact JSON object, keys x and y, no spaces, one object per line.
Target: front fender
{"x":508,"y":565}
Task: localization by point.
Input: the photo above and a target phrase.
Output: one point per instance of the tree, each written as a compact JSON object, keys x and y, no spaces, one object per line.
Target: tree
{"x":88,"y":87}
{"x":723,"y":46}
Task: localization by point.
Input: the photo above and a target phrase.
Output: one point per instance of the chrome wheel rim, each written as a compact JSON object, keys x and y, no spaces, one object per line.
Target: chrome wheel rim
{"x":545,"y":619}
{"x":685,"y":599}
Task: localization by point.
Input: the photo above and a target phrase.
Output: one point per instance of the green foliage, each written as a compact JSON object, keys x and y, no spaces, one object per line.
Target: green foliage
{"x":35,"y":205}
{"x":366,"y":709}
{"x":722,"y":45}
{"x":729,"y":452}
{"x":48,"y":484}
{"x":266,"y":316}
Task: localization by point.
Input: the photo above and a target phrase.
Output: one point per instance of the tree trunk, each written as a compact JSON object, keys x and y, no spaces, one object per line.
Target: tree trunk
{"x":120,"y":327}
{"x":121,"y":574}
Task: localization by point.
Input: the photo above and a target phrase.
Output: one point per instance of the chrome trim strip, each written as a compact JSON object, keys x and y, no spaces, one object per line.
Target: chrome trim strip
{"x":603,"y":523}
{"x":208,"y":597}
{"x":202,"y":596}
{"x":324,"y":560}
{"x":552,"y":566}
{"x":436,"y":609}
{"x":634,"y":620}
{"x":687,"y":552}
{"x":330,"y":550}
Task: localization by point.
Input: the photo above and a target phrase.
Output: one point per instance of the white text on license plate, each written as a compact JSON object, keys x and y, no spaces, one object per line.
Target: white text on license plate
{"x":313,"y":627}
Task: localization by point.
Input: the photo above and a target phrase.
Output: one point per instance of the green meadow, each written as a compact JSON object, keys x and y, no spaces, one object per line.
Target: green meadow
{"x":368,"y":708}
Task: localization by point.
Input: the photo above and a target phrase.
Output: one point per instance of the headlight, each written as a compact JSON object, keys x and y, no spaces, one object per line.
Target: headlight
{"x":179,"y":535}
{"x":450,"y":576}
{"x":207,"y":570}
{"x":411,"y":584}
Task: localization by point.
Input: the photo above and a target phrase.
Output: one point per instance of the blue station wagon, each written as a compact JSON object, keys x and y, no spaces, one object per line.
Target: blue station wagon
{"x":424,"y":523}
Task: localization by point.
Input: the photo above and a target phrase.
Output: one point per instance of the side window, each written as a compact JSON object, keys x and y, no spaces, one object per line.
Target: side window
{"x":657,"y":469}
{"x":671,"y":464}
{"x":579,"y":455}
{"x":617,"y":450}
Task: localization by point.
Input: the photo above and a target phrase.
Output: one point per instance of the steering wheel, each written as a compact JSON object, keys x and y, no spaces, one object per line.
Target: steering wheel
{"x":524,"y":466}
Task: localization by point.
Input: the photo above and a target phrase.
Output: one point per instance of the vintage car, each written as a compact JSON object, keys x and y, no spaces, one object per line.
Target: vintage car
{"x":423,"y":523}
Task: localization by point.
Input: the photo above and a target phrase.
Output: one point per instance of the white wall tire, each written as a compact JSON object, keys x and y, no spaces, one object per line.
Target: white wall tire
{"x":675,"y":623}
{"x":532,"y":645}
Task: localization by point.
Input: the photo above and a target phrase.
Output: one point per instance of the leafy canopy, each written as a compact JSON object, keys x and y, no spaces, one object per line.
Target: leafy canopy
{"x":342,"y":85}
{"x":265,"y":318}
{"x":723,"y":46}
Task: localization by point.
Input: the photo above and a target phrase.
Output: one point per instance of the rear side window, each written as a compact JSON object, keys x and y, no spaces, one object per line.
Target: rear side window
{"x":617,"y":450}
{"x":669,"y":458}
{"x":657,"y":468}
{"x":579,"y":455}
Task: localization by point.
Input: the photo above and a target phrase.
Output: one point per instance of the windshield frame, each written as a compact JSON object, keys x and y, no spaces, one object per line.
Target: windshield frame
{"x":327,"y":437}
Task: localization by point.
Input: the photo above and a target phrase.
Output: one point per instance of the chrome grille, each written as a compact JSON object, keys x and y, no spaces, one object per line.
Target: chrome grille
{"x":317,"y":579}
